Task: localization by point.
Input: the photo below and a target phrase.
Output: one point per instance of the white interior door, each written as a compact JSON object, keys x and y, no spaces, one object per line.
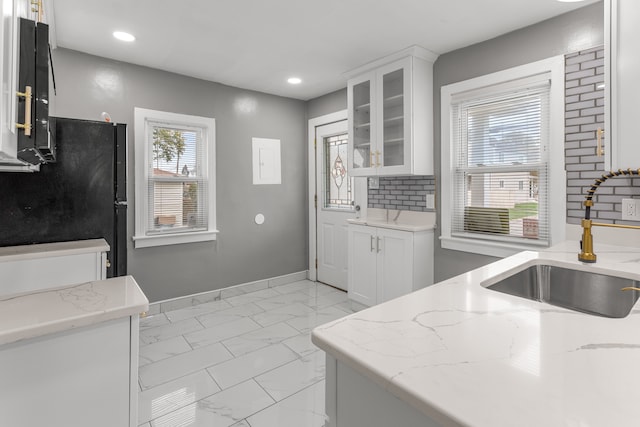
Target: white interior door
{"x":338,"y":194}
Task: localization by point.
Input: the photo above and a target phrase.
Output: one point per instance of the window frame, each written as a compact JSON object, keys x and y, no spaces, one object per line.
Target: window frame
{"x":554,"y":67}
{"x":142,"y":119}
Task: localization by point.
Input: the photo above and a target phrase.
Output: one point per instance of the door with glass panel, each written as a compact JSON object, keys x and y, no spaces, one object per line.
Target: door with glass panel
{"x":336,"y":201}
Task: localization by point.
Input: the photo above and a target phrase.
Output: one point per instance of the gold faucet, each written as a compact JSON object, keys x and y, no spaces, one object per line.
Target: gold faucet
{"x":586,"y":244}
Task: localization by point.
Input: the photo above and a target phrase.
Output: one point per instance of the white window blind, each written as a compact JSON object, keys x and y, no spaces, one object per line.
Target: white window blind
{"x":177,"y":179}
{"x":500,"y":166}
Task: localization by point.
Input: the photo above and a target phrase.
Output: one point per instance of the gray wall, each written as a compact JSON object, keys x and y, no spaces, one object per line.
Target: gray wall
{"x":327,"y":104}
{"x":572,"y":32}
{"x":88,"y":85}
{"x":244,"y":251}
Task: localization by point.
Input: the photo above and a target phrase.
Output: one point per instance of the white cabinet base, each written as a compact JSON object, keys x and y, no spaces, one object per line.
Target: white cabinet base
{"x":384,"y":264}
{"x":361,"y":264}
{"x":77,"y":378}
{"x":353,"y":400}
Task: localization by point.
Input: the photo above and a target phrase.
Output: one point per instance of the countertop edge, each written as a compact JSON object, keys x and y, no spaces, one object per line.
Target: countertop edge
{"x":125,"y":296}
{"x":443,"y":417}
{"x":49,"y":250}
{"x":393,"y":226}
{"x":67,"y":324}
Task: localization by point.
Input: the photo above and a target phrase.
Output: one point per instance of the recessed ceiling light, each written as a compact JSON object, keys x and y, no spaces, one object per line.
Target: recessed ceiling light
{"x":294,"y":80}
{"x":125,"y":37}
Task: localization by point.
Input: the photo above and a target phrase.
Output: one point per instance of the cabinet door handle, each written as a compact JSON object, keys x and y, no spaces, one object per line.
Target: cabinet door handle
{"x":378,"y":245}
{"x":27,"y":111}
{"x":599,"y":148}
{"x":372,"y":247}
{"x":36,"y":6}
{"x":378,"y":159}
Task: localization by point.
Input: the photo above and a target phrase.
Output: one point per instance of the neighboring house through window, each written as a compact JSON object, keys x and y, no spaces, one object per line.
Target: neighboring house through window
{"x":175,"y":178}
{"x":503,"y":181}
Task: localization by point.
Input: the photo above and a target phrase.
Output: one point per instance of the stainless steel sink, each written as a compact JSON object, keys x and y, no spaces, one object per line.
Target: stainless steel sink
{"x":577,"y":290}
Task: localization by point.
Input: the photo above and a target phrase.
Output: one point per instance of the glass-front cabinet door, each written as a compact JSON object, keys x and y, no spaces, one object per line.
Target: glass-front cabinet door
{"x":393,"y":146}
{"x":361,"y":123}
{"x":391,"y":117}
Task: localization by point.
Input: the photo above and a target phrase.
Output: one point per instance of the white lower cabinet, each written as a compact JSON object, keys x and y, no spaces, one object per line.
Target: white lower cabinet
{"x":77,"y":378}
{"x":384,"y":263}
{"x":353,"y":400}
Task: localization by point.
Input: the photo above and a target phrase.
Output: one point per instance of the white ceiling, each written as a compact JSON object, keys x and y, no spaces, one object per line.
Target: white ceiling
{"x":258,"y":44}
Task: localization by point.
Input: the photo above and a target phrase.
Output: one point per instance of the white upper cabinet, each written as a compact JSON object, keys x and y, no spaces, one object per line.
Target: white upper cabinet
{"x":622,"y":84}
{"x":390,"y":103}
{"x":12,"y":11}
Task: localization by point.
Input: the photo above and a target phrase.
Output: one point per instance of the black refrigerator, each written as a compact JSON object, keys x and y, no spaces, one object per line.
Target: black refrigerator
{"x":83,"y":195}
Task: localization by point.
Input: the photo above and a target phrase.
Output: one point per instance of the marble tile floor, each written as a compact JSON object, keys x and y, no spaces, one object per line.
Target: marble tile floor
{"x":244,"y":361}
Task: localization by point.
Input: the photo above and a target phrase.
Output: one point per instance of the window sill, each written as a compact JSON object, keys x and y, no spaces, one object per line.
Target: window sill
{"x":483,"y":247}
{"x":174,"y":239}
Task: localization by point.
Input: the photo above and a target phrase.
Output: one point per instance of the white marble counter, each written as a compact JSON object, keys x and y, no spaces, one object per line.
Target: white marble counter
{"x":24,"y":252}
{"x":397,"y":220}
{"x":34,"y":314}
{"x":466,"y":355}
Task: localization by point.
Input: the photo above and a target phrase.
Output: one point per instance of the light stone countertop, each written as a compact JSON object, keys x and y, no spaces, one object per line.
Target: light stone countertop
{"x":39,"y":313}
{"x":466,"y":355}
{"x":47,"y":250}
{"x":397,"y":220}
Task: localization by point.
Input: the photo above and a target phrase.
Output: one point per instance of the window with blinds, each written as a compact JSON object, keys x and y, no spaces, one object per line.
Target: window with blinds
{"x":177,"y":186}
{"x":503,"y":181}
{"x":499,"y":167}
{"x":175,"y":178}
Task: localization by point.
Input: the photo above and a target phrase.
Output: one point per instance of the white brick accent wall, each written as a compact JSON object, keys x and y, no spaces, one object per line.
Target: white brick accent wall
{"x":405,"y":193}
{"x":584,"y":114}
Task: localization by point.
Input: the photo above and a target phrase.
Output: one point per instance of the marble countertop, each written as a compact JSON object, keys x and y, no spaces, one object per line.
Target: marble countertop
{"x":397,"y":220}
{"x":466,"y":355}
{"x":34,"y":314}
{"x":42,"y":250}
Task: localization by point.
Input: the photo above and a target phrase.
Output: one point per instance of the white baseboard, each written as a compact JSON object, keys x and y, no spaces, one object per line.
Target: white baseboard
{"x":222,"y":293}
